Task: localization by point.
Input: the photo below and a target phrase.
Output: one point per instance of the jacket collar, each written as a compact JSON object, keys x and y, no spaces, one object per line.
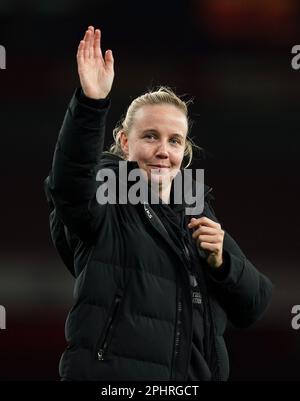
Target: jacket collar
{"x":112,"y":161}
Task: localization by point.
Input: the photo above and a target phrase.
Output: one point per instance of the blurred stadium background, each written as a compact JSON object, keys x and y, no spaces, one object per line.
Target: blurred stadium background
{"x":234,"y":59}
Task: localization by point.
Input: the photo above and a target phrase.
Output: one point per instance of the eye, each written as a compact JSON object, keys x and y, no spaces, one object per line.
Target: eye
{"x":149,"y":136}
{"x":175,"y":141}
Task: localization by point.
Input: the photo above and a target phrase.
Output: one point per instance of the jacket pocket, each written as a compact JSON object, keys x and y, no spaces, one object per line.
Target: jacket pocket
{"x":107,"y":334}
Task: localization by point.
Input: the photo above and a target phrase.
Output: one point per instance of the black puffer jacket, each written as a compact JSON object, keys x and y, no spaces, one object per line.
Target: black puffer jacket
{"x":132,"y":317}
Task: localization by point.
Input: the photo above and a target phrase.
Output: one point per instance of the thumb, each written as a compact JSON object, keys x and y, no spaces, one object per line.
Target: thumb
{"x":109,"y":59}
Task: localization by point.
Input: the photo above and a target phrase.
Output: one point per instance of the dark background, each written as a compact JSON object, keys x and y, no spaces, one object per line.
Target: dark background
{"x":234,"y":59}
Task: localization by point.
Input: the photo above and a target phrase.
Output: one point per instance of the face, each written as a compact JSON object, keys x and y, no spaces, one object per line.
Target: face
{"x":156,"y":141}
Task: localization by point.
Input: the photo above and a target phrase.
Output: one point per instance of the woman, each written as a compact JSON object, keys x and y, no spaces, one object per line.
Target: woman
{"x":154,"y":286}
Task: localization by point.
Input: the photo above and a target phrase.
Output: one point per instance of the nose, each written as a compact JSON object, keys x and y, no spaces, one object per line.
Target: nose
{"x":162,"y":151}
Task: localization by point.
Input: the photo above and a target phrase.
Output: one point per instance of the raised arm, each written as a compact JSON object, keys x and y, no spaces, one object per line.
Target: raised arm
{"x":72,"y":180}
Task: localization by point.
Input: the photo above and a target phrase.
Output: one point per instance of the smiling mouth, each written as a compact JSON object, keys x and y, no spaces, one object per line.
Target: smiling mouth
{"x":159,"y":171}
{"x":158,"y":166}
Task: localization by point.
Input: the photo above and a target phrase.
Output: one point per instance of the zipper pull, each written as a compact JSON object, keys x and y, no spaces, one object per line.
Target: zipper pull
{"x":100,"y":355}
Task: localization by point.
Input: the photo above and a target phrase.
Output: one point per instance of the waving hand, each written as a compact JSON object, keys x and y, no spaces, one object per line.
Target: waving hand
{"x":95,"y":72}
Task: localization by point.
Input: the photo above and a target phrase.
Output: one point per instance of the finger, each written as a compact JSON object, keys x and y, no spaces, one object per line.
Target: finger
{"x":97,"y":47}
{"x":80,"y":56}
{"x":82,"y":45}
{"x":203,"y":230}
{"x":194,"y":222}
{"x":91,"y":43}
{"x":86,"y":50}
{"x":211,"y":239}
{"x":205,"y":221}
{"x":209,"y":247}
{"x":86,"y":35}
{"x":109,"y":60}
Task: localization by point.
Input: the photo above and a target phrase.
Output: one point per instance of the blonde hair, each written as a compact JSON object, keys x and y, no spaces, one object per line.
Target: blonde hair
{"x":163,"y":95}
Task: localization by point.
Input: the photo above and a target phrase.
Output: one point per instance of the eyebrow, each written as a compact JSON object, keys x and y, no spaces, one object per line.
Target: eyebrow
{"x":157,"y":132}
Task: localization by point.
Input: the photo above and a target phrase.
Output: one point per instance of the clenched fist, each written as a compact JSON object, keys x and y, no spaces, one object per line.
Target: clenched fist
{"x":209,"y":237}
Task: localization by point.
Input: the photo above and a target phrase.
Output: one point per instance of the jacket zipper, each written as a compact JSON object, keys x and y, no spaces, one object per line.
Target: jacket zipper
{"x":189,"y":259}
{"x":102,"y":349}
{"x":178,"y":329}
{"x":186,"y":252}
{"x":179,"y":308}
{"x":217,"y":376}
{"x":179,"y":305}
{"x":177,"y":335}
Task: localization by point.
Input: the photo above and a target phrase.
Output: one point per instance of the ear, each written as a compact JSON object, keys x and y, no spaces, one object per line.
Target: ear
{"x":124,"y":142}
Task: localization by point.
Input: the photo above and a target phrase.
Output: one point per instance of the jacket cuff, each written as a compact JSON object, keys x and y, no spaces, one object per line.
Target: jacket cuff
{"x":229,"y":273}
{"x":222,"y":272}
{"x":93,"y":103}
{"x":81,"y":112}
